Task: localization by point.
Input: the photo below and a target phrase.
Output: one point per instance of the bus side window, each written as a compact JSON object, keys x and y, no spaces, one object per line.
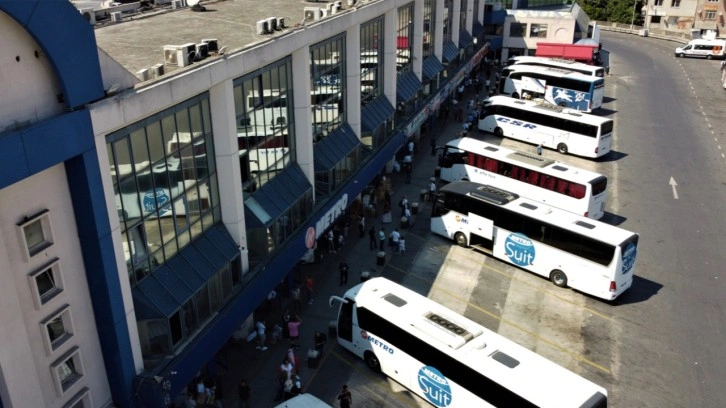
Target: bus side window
{"x":533,"y":178}
{"x":515,"y":172}
{"x":562,"y":186}
{"x":490,"y":165}
{"x":577,"y":190}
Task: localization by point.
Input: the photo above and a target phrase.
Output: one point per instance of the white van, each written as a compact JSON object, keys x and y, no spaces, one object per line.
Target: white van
{"x":703,"y":48}
{"x":304,"y":401}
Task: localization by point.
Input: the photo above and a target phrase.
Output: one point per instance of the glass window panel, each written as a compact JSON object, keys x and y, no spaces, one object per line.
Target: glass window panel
{"x":215,"y":292}
{"x":206,"y":116}
{"x":226,"y":278}
{"x":153,"y":233}
{"x":184,"y":237}
{"x":45,"y":282}
{"x":155,"y":141}
{"x":34,"y":236}
{"x":123,"y":158}
{"x":202,"y":303}
{"x":175,"y":324}
{"x":209,"y":218}
{"x":56,"y":329}
{"x":195,"y":118}
{"x":140,"y":150}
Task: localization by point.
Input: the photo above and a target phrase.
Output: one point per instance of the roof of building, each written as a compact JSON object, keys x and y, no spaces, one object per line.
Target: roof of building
{"x":137,"y":42}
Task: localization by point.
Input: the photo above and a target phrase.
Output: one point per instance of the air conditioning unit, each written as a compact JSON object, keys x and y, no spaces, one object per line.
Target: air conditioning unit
{"x":143,"y":74}
{"x":281,"y":23}
{"x":212,"y":44}
{"x":116,"y":17}
{"x":157,"y":70}
{"x":179,"y":55}
{"x":324,"y":12}
{"x":201,"y":51}
{"x":272,"y":23}
{"x":177,"y":4}
{"x":263,"y":27}
{"x":312,"y":13}
{"x":89,"y":15}
{"x":334,"y":7}
{"x":338,"y":5}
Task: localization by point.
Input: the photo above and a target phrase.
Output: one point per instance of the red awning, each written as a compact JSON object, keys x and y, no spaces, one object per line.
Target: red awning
{"x":577,"y":52}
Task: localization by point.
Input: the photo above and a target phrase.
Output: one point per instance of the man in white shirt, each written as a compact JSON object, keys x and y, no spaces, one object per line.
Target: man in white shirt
{"x":395,"y":239}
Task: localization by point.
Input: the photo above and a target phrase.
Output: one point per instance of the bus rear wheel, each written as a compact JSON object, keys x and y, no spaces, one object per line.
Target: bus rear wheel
{"x":515,"y":95}
{"x":558,"y":278}
{"x":372,"y":362}
{"x":562,"y":148}
{"x":498,"y":132}
{"x":460,"y":239}
{"x":562,"y":104}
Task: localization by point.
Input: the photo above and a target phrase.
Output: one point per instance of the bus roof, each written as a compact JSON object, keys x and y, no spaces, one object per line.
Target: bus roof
{"x":556,"y":72}
{"x":526,"y":160}
{"x":547,"y":109}
{"x":587,"y":227}
{"x":304,"y":401}
{"x":527,"y":59}
{"x":492,"y":355}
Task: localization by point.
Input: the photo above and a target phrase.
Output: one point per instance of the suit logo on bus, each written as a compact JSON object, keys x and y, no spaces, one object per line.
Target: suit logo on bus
{"x":435,"y":386}
{"x":519,"y":249}
{"x":517,"y":123}
{"x":157,"y":199}
{"x":629,"y":257}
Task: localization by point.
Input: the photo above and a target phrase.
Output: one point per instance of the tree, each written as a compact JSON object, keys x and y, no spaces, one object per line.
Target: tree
{"x":595,"y":9}
{"x":623,"y":11}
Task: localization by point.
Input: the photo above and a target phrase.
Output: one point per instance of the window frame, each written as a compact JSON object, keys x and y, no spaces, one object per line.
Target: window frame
{"x":523,"y":27}
{"x":43,"y":217}
{"x":64,"y":313}
{"x":83,"y":396}
{"x":41,"y":299}
{"x":540,"y":30}
{"x":74,"y":355}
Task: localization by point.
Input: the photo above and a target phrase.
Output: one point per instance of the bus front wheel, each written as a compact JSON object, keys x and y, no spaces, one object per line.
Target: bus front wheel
{"x":498,"y":132}
{"x":709,"y":57}
{"x":558,"y":278}
{"x":460,"y":239}
{"x":562,"y":148}
{"x":372,"y":362}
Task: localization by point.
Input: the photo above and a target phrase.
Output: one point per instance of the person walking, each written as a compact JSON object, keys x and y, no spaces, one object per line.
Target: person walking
{"x":362,"y":226}
{"x":432,"y":189}
{"x":343,"y":269}
{"x":395,"y":238}
{"x":309,"y":288}
{"x":382,"y":240}
{"x":372,"y":243}
{"x":294,"y":328}
{"x":345,"y":397}
{"x":320,"y":340}
{"x":245,"y":393}
{"x":296,"y":296}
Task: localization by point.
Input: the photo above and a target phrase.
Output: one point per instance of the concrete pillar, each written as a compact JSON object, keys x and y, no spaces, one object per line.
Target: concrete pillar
{"x":455,"y":14}
{"x":389,"y":55}
{"x":439,"y":30}
{"x":303,"y":115}
{"x":418,"y":25}
{"x":469,"y":15}
{"x":352,"y":84}
{"x":226,"y":154}
{"x":480,"y":16}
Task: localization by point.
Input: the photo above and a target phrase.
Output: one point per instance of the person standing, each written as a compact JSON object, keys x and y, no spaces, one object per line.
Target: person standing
{"x":320,"y":340}
{"x":382,"y":240}
{"x":372,"y":244}
{"x":331,"y":242}
{"x":296,"y":300}
{"x":244,"y":392}
{"x":261,"y":335}
{"x":432,"y":189}
{"x":395,"y":238}
{"x":345,"y":397}
{"x":343,"y":269}
{"x":362,"y":226}
{"x":539,"y":149}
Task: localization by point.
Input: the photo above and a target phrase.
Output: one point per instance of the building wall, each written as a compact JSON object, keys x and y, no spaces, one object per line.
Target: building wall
{"x":559,"y":30}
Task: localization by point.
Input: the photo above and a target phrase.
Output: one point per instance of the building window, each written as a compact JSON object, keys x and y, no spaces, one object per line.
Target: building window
{"x":404,"y":39}
{"x":710,"y":15}
{"x":676,"y":3}
{"x":327,"y":76}
{"x":538,"y":30}
{"x":35,"y":234}
{"x":82,"y":399}
{"x":371,"y":60}
{"x":67,"y":370}
{"x":46,"y":283}
{"x":658,"y":3}
{"x":57,"y":328}
{"x":517,"y":29}
{"x":429,"y":32}
{"x":165,"y":183}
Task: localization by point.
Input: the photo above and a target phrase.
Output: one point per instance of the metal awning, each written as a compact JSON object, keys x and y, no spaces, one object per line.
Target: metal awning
{"x":406,"y":86}
{"x":465,"y":39}
{"x":276,"y":196}
{"x":376,"y":112}
{"x":335,"y":147}
{"x":168,"y":287}
{"x":450,"y":51}
{"x":431,"y":67}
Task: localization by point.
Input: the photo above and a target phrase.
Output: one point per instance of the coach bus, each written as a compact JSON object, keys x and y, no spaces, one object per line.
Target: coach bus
{"x":553,"y":127}
{"x":556,"y":86}
{"x":571,"y":251}
{"x":545,"y":180}
{"x":449,"y":360}
{"x":569,"y":65}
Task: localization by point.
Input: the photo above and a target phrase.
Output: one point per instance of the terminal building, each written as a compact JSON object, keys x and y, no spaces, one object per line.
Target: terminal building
{"x":164,"y":169}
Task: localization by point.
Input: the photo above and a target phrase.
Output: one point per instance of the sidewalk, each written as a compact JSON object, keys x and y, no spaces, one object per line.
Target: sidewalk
{"x":238,"y":360}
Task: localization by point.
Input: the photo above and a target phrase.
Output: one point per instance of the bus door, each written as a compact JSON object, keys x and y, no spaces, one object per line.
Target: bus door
{"x":345,"y":323}
{"x":481,"y":233}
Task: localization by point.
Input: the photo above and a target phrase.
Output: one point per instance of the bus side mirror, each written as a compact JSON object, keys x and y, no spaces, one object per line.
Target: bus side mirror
{"x":334,"y":299}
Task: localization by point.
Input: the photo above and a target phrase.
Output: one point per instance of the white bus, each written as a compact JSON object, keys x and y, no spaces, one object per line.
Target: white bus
{"x":556,"y":86}
{"x":545,"y":180}
{"x":449,"y":360}
{"x":554,"y":127}
{"x":569,"y":65}
{"x":572,"y":251}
